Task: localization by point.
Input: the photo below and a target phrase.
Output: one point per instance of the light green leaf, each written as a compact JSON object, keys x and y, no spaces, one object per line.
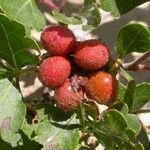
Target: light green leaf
{"x":119,"y":7}
{"x":53,"y":133}
{"x":134,"y":126}
{"x":129,"y":94}
{"x":57,"y":135}
{"x":113,"y":121}
{"x":112,"y":141}
{"x":133,"y":38}
{"x":4,"y":72}
{"x":12,"y":112}
{"x":24,"y":11}
{"x":143,"y":138}
{"x":14,"y":45}
{"x":93,"y":19}
{"x":141,"y":96}
{"x":64,"y":19}
{"x":87,"y":5}
{"x":121,"y":91}
{"x":121,"y":107}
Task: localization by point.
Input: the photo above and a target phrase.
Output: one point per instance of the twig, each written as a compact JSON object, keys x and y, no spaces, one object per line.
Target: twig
{"x":140,"y":67}
{"x":49,"y":4}
{"x":143,"y":111}
{"x":62,"y":4}
{"x":135,"y":65}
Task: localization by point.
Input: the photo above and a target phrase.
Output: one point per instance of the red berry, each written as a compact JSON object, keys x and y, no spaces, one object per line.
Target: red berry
{"x":54,"y":71}
{"x":66,"y":98}
{"x":58,"y":40}
{"x":102,"y":87}
{"x":91,"y":54}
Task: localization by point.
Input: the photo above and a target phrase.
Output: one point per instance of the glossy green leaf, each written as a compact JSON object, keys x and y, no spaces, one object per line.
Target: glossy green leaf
{"x":12,"y":112}
{"x":119,"y":7}
{"x":141,"y":96}
{"x":14,"y":45}
{"x":133,"y":38}
{"x":64,"y":19}
{"x":24,"y":11}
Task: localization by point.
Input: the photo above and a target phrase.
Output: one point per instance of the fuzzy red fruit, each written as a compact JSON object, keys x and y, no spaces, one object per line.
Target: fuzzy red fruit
{"x":66,"y":98}
{"x":54,"y":71}
{"x":58,"y":40}
{"x":91,"y":54}
{"x":102,"y":87}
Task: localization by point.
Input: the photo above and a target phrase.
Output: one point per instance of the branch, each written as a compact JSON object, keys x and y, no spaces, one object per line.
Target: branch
{"x":140,"y":67}
{"x":62,"y":4}
{"x":49,"y":4}
{"x":143,"y":111}
{"x":135,"y":65}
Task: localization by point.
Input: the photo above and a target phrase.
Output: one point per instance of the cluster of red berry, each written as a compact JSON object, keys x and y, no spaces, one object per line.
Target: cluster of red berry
{"x":68,"y":56}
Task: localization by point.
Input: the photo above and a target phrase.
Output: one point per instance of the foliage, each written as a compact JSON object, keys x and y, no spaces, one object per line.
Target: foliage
{"x":117,"y":128}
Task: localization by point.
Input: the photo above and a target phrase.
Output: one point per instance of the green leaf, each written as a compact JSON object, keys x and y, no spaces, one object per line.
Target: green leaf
{"x":121,"y":107}
{"x":4,"y":72}
{"x":113,"y":121}
{"x":121,"y":91}
{"x":143,"y":138}
{"x":129,"y":94}
{"x":134,"y":126}
{"x":12,"y":112}
{"x":133,"y":123}
{"x":53,"y":133}
{"x":87,"y":5}
{"x":126,"y":75}
{"x":24,"y":11}
{"x":141,"y":96}
{"x":57,"y":135}
{"x":23,"y":144}
{"x":64,"y":19}
{"x":14,"y":44}
{"x":91,"y":111}
{"x":133,"y":38}
{"x":88,"y":27}
{"x":119,"y":7}
{"x":117,"y":131}
{"x":112,"y":141}
{"x":93,"y":19}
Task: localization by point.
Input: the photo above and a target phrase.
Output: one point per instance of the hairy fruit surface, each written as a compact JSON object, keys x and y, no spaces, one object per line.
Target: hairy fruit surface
{"x":102,"y":87}
{"x":54,"y":71}
{"x":66,"y":98}
{"x":91,"y":54}
{"x":58,"y":40}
